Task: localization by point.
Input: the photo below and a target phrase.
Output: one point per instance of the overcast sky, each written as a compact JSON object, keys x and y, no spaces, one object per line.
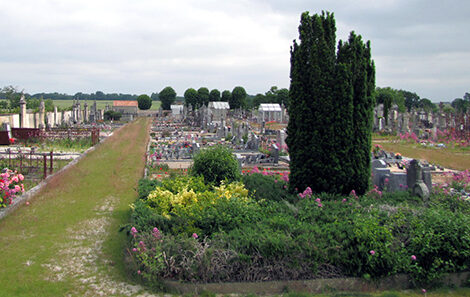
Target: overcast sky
{"x":141,"y":46}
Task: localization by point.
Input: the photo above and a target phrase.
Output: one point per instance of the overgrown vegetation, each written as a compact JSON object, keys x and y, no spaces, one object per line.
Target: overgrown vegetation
{"x":189,"y":230}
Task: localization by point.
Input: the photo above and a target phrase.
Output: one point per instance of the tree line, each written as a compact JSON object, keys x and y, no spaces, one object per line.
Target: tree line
{"x":406,"y":101}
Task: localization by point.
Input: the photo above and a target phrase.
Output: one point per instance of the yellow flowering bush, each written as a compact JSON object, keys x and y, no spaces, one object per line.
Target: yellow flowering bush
{"x":235,"y":189}
{"x":189,"y":206}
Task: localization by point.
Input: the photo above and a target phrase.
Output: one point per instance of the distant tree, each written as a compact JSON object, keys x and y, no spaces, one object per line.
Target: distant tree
{"x":460,"y":105}
{"x":12,"y":95}
{"x":49,"y":105}
{"x":167,"y":97}
{"x":427,"y":105}
{"x":203,"y":96}
{"x":226,"y":96}
{"x":411,"y":99}
{"x":154,"y":96}
{"x":258,"y":99}
{"x":238,"y":98}
{"x":385,"y":96}
{"x":112,"y":115}
{"x":214,"y":95}
{"x":283,"y":96}
{"x":191,"y":98}
{"x":466,"y":97}
{"x":388,"y":96}
{"x":100,"y":95}
{"x":144,"y":102}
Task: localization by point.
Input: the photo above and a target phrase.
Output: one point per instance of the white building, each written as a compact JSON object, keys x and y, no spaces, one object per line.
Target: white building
{"x":217,"y":111}
{"x":269,"y":112}
{"x":177,"y":111}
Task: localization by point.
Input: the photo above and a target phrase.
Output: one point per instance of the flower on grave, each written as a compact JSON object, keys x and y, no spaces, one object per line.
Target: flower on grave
{"x":413,"y":258}
{"x":372,"y":252}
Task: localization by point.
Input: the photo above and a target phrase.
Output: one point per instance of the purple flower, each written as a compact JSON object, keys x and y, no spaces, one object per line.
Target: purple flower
{"x":413,"y":258}
{"x":139,"y":272}
{"x":156,"y":233}
{"x":318,"y":200}
{"x":424,"y":291}
{"x":372,"y":252}
{"x":134,"y":250}
{"x":133,"y":231}
{"x":195,"y":236}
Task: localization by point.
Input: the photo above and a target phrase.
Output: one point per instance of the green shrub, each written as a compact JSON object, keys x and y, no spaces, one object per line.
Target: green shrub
{"x":440,"y":240}
{"x":216,"y":164}
{"x":267,"y":187}
{"x":146,"y":186}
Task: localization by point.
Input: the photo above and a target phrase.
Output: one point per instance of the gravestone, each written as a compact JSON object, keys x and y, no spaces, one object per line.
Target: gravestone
{"x":275,"y":153}
{"x":415,"y":180}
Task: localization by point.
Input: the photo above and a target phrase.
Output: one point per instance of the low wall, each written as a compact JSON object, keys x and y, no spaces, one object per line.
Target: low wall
{"x":397,"y":282}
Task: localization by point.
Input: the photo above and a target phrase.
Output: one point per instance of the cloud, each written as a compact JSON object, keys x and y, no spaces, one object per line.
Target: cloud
{"x":143,"y":46}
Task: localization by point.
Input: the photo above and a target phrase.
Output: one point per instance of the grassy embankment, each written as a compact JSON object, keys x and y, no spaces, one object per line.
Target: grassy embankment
{"x":66,"y":241}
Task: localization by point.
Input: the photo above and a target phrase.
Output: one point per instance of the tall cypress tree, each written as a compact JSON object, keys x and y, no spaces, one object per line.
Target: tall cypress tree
{"x":329,"y":106}
{"x":357,"y":56}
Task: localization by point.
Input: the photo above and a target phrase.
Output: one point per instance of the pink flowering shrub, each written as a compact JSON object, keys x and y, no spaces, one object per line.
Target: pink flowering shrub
{"x":449,"y":137}
{"x":10,"y":186}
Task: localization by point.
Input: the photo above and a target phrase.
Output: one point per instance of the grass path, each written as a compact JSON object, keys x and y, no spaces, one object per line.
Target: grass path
{"x":444,"y":157}
{"x":66,"y":242}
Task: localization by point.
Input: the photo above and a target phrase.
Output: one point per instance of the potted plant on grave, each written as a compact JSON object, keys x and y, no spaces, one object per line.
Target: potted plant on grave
{"x":376,"y":150}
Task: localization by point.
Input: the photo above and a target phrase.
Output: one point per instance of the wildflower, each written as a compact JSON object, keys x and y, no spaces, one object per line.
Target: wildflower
{"x":134,"y":250}
{"x":344,"y":200}
{"x":156,"y":233}
{"x":372,"y":252}
{"x":424,"y":291}
{"x":139,"y":272}
{"x":317,"y":200}
{"x":320,"y":205}
{"x":27,"y":202}
{"x":413,"y":258}
{"x":195,"y":236}
{"x":133,"y":231}
{"x":353,"y":193}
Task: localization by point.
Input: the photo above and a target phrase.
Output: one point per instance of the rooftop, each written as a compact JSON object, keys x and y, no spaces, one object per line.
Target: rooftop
{"x":269,"y":107}
{"x":125,"y":103}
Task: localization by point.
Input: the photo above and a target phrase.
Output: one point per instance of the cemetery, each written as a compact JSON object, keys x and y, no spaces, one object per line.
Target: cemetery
{"x":220,"y":223}
{"x":325,"y":193}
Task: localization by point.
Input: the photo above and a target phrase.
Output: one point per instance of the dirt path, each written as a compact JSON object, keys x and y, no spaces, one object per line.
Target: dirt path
{"x":66,"y":242}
